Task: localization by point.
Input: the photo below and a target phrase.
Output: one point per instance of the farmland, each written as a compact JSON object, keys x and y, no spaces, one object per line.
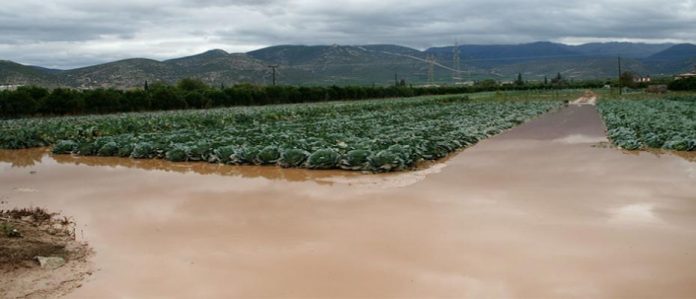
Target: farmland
{"x":539,"y":184}
{"x":651,"y":124}
{"x":376,"y":136}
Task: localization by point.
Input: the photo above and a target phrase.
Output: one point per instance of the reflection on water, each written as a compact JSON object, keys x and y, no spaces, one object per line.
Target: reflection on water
{"x":580,"y":138}
{"x":33,"y":157}
{"x":268,"y":172}
{"x":22,"y":158}
{"x":688,"y":156}
{"x":389,"y":181}
{"x":641,"y":213}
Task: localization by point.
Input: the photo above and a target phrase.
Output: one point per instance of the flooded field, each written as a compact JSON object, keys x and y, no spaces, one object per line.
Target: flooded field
{"x":539,"y":211}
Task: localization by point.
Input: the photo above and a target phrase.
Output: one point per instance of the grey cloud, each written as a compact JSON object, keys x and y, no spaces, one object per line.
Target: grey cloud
{"x":79,"y":32}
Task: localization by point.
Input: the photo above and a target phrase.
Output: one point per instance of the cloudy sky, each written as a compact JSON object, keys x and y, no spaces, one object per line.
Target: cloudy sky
{"x":73,"y":33}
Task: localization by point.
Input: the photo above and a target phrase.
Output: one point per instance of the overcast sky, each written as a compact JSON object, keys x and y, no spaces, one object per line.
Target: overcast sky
{"x":72,"y":33}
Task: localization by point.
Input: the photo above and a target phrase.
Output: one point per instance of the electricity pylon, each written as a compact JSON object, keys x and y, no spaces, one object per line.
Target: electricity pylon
{"x":456,"y":63}
{"x":431,"y":68}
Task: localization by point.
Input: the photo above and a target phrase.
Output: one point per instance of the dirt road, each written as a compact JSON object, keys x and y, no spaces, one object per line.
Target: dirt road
{"x":536,"y":212}
{"x":589,"y":98}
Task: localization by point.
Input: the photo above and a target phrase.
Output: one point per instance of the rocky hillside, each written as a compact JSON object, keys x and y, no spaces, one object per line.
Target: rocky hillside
{"x":369,"y":64}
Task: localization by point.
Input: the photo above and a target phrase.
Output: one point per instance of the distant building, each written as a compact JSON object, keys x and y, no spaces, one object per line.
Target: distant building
{"x":465,"y":83}
{"x":10,"y":87}
{"x":642,"y":79}
{"x":686,"y":75}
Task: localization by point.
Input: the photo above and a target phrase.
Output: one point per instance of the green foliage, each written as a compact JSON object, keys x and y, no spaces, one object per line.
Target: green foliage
{"x":683,"y":84}
{"x":323,"y":159}
{"x":637,"y":124}
{"x":386,"y":160}
{"x":357,"y":159}
{"x":109,"y":149}
{"x":65,"y":147}
{"x":178,"y":153}
{"x":143,"y":150}
{"x":193,"y":94}
{"x":293,"y":158}
{"x":222,"y":154}
{"x":378,"y":135}
{"x":87,"y":148}
{"x":268,"y":155}
{"x":9,"y":230}
{"x":626,"y":79}
{"x":167,"y":98}
{"x":191,"y":85}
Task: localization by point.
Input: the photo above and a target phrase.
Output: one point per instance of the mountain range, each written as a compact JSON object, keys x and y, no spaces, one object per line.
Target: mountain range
{"x":371,"y":65}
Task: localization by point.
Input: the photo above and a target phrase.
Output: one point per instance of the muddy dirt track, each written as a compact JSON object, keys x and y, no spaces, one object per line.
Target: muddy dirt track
{"x":539,"y":211}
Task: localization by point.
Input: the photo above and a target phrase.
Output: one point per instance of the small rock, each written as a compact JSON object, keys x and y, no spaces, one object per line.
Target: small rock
{"x":14,"y":233}
{"x":51,"y":262}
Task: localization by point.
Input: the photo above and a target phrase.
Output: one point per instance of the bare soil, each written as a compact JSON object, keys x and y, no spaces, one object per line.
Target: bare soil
{"x":30,"y":233}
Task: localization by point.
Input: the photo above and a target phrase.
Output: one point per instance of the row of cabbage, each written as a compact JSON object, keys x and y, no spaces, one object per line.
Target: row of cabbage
{"x":376,"y":136}
{"x":40,"y":132}
{"x":657,"y":124}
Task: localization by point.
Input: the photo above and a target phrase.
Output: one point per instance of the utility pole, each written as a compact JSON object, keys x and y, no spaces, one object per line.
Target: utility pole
{"x":620,"y":88}
{"x":396,"y":81}
{"x":274,"y":67}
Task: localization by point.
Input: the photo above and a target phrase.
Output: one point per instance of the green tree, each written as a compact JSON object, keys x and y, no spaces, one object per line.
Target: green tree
{"x":136,"y":100}
{"x":627,"y":80}
{"x":63,"y":101}
{"x":19,"y":103}
{"x":487,"y":83}
{"x":190,"y":84}
{"x":166,"y":98}
{"x":558,"y":80}
{"x":102,"y":100}
{"x":683,"y":84}
{"x":519,"y":81}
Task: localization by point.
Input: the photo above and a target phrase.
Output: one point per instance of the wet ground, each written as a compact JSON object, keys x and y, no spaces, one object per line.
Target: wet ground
{"x":539,"y":211}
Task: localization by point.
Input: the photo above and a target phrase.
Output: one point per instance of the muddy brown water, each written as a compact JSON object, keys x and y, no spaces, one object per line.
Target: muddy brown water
{"x":536,"y":212}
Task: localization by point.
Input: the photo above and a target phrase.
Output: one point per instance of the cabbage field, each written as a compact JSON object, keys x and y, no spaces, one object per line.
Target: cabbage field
{"x":641,"y":124}
{"x":376,"y":136}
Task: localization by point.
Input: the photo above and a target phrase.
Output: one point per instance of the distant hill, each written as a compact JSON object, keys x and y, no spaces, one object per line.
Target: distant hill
{"x":681,"y":51}
{"x":678,"y":58}
{"x":624,"y":49}
{"x":369,"y":64}
{"x":494,"y":55}
{"x":12,"y":73}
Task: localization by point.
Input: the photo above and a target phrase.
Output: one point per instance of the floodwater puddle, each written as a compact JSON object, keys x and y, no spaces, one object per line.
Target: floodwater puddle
{"x":534,"y":197}
{"x":42,"y":157}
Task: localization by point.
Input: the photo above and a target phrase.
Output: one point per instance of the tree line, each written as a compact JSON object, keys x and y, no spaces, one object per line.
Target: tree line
{"x":683,"y":84}
{"x":194,"y":94}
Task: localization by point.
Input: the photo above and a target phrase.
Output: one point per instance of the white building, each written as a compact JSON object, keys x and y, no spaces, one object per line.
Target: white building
{"x":10,"y":87}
